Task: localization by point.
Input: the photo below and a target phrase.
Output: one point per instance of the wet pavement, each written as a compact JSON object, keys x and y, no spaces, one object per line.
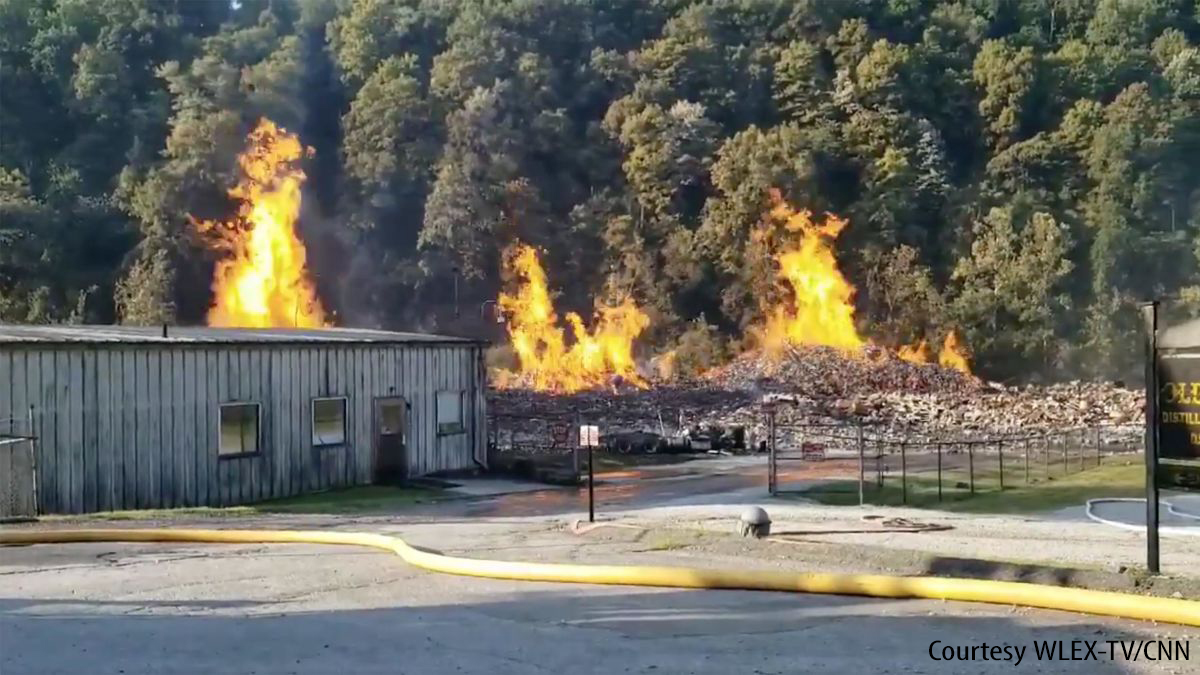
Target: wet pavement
{"x":696,"y":482}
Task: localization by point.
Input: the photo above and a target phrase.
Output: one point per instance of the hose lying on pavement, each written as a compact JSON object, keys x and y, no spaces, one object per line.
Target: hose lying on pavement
{"x":1162,"y":529}
{"x":1104,"y":603}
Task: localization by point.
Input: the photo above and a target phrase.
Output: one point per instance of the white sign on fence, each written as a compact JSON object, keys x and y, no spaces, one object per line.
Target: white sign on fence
{"x":589,"y":436}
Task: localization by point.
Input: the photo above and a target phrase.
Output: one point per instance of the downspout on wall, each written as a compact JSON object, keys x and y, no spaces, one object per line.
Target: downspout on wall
{"x":479,"y":428}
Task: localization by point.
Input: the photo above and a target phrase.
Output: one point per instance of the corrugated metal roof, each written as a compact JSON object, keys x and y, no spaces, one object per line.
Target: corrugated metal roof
{"x":176,"y":335}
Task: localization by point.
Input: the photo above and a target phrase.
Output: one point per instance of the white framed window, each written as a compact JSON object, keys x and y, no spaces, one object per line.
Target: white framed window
{"x":450,"y":407}
{"x":329,"y":421}
{"x":239,"y":424}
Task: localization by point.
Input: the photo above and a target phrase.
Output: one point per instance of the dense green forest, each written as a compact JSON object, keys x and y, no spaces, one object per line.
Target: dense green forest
{"x":1021,"y":169}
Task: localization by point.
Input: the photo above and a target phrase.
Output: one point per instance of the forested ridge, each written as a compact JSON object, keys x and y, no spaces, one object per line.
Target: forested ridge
{"x":1023,"y":170}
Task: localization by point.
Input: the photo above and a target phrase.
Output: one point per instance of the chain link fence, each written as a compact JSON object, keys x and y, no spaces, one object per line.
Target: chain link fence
{"x":859,"y":463}
{"x":885,"y":466}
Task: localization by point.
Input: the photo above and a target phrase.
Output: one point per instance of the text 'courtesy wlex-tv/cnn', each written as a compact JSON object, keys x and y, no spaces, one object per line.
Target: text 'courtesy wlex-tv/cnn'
{"x":1062,"y":650}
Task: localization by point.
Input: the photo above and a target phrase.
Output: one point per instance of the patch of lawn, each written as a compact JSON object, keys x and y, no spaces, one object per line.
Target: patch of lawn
{"x":364,"y":499}
{"x":670,"y":540}
{"x":1121,"y":478}
{"x":163,"y":514}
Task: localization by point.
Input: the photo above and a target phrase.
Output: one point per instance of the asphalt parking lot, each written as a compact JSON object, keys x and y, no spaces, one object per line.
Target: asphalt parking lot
{"x":118,"y":608}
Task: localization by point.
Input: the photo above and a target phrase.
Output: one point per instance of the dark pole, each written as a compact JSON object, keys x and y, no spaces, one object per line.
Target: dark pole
{"x":772,"y":466}
{"x":1097,"y":445}
{"x":861,"y":467}
{"x":1000,"y":450}
{"x":1045,"y":455}
{"x":971,"y":464}
{"x":1150,"y":316}
{"x":1026,"y":459}
{"x":1066,"y":446}
{"x":771,"y":448}
{"x":939,"y":453}
{"x":591,"y":487}
{"x":903,"y":472}
{"x":1082,"y":447}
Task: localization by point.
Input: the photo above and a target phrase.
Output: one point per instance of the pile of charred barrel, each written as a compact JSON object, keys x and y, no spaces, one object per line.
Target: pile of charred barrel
{"x":698,"y":438}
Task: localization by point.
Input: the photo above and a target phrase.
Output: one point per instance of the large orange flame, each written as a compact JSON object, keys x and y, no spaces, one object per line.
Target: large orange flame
{"x":918,"y":353}
{"x":595,"y":359}
{"x":821,"y":308}
{"x":954,"y":353}
{"x":262,"y":282}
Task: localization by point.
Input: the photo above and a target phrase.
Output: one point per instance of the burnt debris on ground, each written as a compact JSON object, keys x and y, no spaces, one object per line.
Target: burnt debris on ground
{"x":827,"y":386}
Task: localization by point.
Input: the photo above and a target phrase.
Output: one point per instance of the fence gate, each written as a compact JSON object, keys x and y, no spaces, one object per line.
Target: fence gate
{"x":18,"y":480}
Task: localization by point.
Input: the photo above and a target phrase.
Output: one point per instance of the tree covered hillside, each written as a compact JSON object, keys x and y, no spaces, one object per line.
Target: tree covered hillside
{"x":1024,"y":170}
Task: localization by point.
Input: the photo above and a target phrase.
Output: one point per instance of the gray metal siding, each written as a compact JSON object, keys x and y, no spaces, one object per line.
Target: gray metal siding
{"x":126,"y":427}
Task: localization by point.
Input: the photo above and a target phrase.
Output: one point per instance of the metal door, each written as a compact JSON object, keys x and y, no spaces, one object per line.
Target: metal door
{"x":391,"y":451}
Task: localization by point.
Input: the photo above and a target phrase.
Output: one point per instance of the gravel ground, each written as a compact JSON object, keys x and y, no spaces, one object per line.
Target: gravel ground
{"x":1063,"y":538}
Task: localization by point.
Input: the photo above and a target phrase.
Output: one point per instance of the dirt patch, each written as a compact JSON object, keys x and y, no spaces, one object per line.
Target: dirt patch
{"x":716,"y":549}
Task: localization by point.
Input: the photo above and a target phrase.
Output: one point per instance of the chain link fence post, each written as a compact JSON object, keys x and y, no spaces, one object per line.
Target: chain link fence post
{"x":1066,"y":446}
{"x":1026,"y":460}
{"x":1000,"y":455}
{"x":939,"y":469}
{"x":861,"y":465}
{"x":971,"y":465}
{"x":772,"y":466}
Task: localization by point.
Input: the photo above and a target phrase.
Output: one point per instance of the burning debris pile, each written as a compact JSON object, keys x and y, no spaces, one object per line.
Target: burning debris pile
{"x":806,"y":346}
{"x":600,"y":358}
{"x":824,"y":372}
{"x":948,"y":407}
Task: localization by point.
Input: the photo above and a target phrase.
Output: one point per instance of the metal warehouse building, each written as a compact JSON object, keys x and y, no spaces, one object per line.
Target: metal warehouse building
{"x":128,"y":418}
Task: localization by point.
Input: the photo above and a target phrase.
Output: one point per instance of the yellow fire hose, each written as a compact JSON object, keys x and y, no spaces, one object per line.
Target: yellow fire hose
{"x":1104,"y":603}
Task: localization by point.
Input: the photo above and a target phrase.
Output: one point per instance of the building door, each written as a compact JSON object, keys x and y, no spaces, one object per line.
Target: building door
{"x":391,"y":453}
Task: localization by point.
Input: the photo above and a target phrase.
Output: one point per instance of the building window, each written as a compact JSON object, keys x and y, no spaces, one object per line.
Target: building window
{"x":450,"y":405}
{"x":329,"y":421}
{"x":239,"y":429}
